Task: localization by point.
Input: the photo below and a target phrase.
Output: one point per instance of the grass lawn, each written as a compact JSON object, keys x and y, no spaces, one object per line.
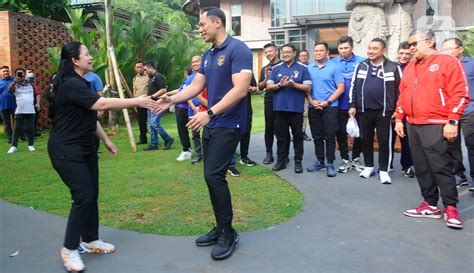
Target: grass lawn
{"x":150,"y":191}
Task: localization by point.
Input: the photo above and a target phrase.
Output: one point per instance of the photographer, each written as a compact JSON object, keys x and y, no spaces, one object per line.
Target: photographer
{"x":25,"y":94}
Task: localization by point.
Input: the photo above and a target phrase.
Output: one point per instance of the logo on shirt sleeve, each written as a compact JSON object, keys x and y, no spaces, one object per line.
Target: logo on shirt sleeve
{"x":220,"y":60}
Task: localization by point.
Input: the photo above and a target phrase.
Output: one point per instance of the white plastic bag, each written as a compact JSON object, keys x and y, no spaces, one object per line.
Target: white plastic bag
{"x":352,"y":128}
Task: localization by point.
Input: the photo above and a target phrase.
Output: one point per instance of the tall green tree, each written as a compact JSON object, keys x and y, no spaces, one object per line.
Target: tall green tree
{"x":42,"y":8}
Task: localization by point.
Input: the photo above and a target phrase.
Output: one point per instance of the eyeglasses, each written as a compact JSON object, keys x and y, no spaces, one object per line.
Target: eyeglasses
{"x":415,"y":43}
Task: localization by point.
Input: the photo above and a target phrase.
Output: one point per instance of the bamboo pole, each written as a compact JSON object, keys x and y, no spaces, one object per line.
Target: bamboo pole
{"x":111,"y":55}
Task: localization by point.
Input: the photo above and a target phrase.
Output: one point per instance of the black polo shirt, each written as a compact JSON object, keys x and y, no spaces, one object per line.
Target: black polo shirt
{"x":268,"y":95}
{"x":74,"y":123}
{"x":156,"y":82}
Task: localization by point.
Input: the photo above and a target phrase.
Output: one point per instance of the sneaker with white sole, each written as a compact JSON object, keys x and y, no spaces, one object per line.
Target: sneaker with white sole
{"x":424,"y":211}
{"x":451,"y":216}
{"x":385,"y":178}
{"x":345,"y":166}
{"x":31,"y":148}
{"x":97,"y":246}
{"x":367,"y":172}
{"x":356,"y":165}
{"x":72,"y":260}
{"x":185,"y":155}
{"x":11,"y":150}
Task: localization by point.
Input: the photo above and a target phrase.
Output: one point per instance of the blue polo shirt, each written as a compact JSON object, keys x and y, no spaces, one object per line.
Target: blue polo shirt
{"x":468,"y":64}
{"x":324,"y":81}
{"x":187,"y":82}
{"x":7,"y":99}
{"x":95,"y":82}
{"x":288,"y":99}
{"x":218,"y":66}
{"x":347,"y":68}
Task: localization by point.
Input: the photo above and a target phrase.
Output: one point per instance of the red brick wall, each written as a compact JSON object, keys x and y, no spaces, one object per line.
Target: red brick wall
{"x":24,"y":41}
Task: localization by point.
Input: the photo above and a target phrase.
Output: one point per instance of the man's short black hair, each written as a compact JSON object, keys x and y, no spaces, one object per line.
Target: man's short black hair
{"x":5,"y":67}
{"x":270,"y":45}
{"x":404,"y":45}
{"x":213,"y":13}
{"x":303,"y":50}
{"x":150,"y":64}
{"x":456,"y":40}
{"x":290,"y":46}
{"x":381,"y":41}
{"x":139,"y":62}
{"x":322,"y":43}
{"x":346,"y":39}
{"x":19,"y":69}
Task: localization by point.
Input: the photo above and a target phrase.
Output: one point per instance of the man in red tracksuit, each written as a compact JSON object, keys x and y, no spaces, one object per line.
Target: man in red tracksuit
{"x":433,"y":95}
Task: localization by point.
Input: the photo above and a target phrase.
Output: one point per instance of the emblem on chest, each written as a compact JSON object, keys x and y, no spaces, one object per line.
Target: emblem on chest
{"x":220,"y":60}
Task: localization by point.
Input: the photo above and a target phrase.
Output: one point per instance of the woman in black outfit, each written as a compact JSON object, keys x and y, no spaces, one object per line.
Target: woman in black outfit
{"x":73,"y":151}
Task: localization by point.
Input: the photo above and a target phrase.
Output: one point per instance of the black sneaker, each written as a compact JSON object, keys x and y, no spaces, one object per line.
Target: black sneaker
{"x":225,"y":245}
{"x":141,"y":142}
{"x":408,"y":172}
{"x":298,"y":166}
{"x":168,"y":144}
{"x":151,"y":147}
{"x":268,"y":159}
{"x":279,"y":166}
{"x":461,"y":180}
{"x":210,"y":238}
{"x":196,"y":160}
{"x":247,"y":161}
{"x":233,"y":171}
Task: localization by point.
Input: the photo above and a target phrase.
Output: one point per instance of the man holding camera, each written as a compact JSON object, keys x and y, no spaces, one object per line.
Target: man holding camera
{"x":25,"y":94}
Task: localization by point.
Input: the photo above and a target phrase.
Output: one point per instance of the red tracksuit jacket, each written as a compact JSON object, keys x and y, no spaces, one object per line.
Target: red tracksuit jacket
{"x":433,"y":91}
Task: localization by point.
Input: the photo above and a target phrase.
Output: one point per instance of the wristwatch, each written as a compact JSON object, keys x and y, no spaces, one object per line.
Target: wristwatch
{"x":453,"y":122}
{"x":210,"y":114}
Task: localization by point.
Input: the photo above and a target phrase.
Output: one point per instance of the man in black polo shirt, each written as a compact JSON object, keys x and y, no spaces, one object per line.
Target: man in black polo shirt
{"x":271,"y":52}
{"x":226,"y":71}
{"x":156,"y":88}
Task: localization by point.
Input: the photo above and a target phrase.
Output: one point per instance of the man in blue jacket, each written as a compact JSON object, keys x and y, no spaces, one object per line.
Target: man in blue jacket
{"x":7,"y":102}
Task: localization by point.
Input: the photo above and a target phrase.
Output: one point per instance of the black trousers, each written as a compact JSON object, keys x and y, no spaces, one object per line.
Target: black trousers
{"x":245,"y":138}
{"x":433,"y":164}
{"x":455,"y":151}
{"x":371,"y":120}
{"x":81,"y":176}
{"x":181,"y":121}
{"x":405,"y":157}
{"x":142,"y":117}
{"x":24,"y":122}
{"x":343,"y":117}
{"x":467,"y":124}
{"x":269,"y":124}
{"x":219,"y":145}
{"x":324,"y":126}
{"x":284,"y":121}
{"x":8,"y":116}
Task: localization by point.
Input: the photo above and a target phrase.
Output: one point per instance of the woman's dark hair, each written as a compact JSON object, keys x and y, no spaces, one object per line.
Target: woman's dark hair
{"x":188,"y":70}
{"x":70,"y":51}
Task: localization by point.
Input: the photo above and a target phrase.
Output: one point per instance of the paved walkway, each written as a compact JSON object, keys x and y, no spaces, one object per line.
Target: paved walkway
{"x":348,"y":224}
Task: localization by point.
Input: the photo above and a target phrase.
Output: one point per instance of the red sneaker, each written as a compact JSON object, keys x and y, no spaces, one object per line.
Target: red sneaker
{"x":424,"y":210}
{"x":451,"y":216}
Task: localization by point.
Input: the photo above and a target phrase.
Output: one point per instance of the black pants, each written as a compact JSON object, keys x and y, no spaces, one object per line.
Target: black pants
{"x":245,"y":138}
{"x":197,"y":143}
{"x":467,"y":124}
{"x":455,"y":151}
{"x":342,"y":118}
{"x":81,"y":176}
{"x":369,"y":120}
{"x":181,"y":121}
{"x":433,"y":164}
{"x":219,"y":145}
{"x":8,"y":116}
{"x":284,"y":121}
{"x":24,"y":122}
{"x":324,"y":126}
{"x":269,"y":124}
{"x":405,"y":157}
{"x":142,"y":117}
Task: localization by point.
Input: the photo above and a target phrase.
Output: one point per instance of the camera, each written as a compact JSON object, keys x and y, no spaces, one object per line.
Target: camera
{"x":20,"y":74}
